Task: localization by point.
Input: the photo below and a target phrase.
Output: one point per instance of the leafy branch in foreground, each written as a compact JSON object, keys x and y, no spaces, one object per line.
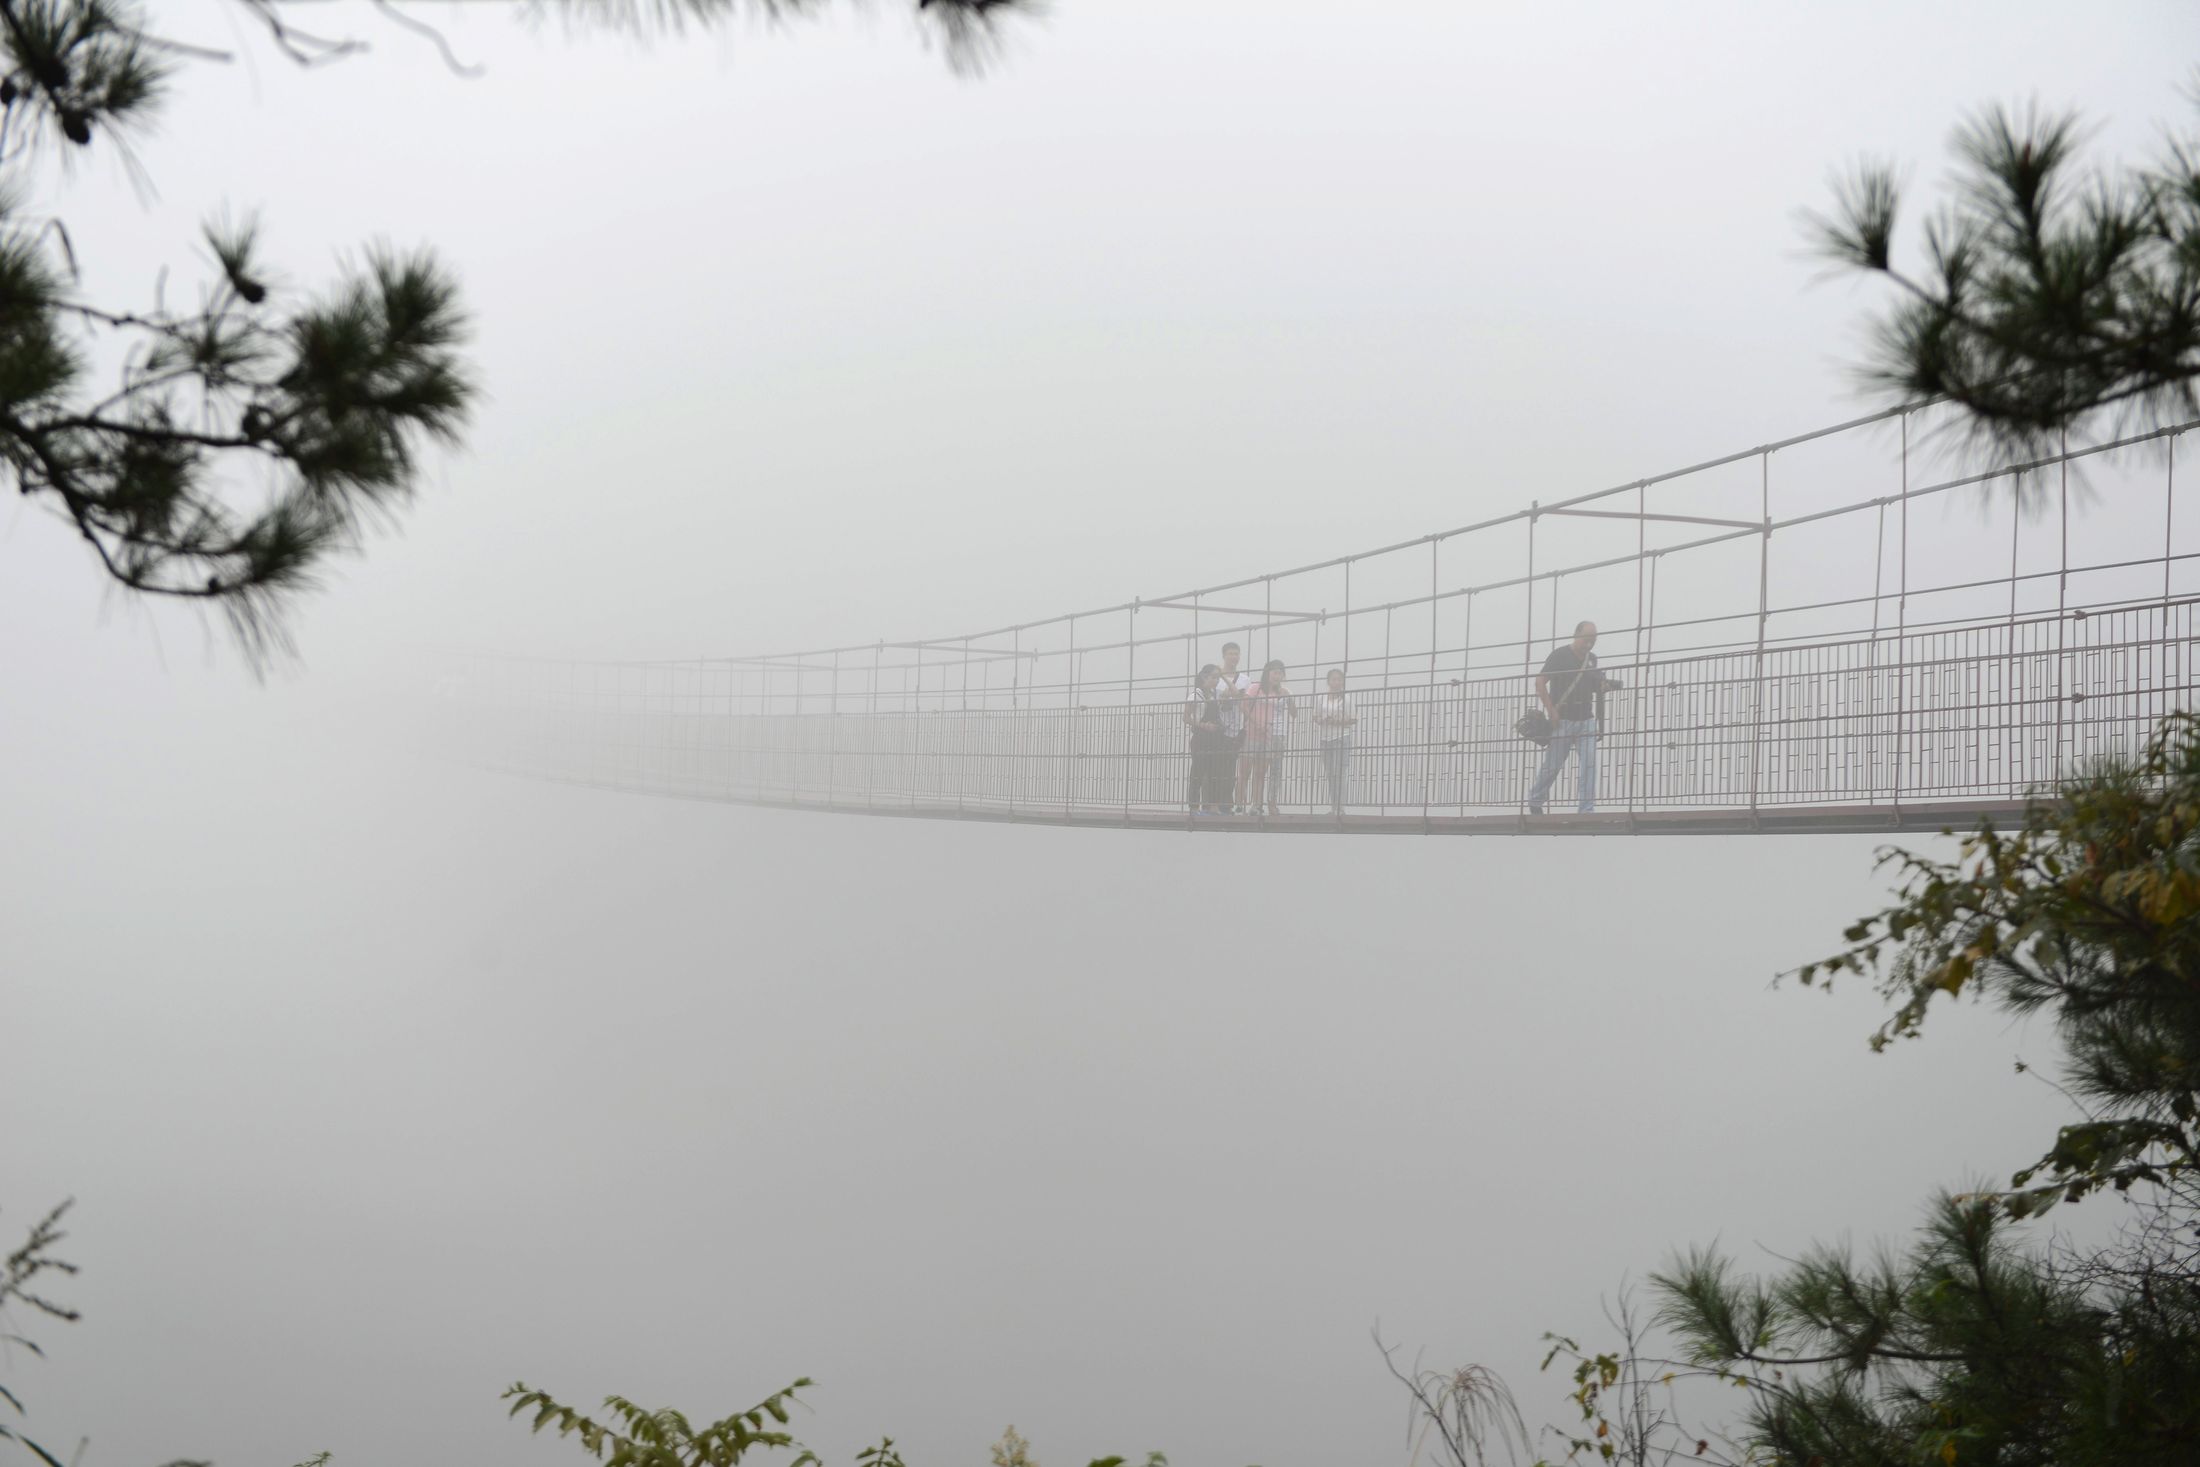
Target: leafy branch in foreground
{"x":1628,"y":1401}
{"x":2046,"y":293}
{"x":2088,"y":911}
{"x":323,"y":409}
{"x":664,"y":1438}
{"x":639,"y":1437}
{"x":1965,"y":1348}
{"x":1969,"y":1346}
{"x":19,"y":1275}
{"x":247,"y":437}
{"x":250,"y":436}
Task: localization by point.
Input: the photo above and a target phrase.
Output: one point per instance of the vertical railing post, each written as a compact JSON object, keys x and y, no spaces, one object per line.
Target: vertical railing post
{"x":2169,"y":500}
{"x":1019,"y":726}
{"x":2169,"y":505}
{"x":1764,"y":612}
{"x":1527,"y":649}
{"x":1636,"y":675}
{"x":1550,"y":638}
{"x":2062,"y":604}
{"x":1650,"y":633}
{"x":1871,"y":651}
{"x":729,"y":727}
{"x":1130,"y":683}
{"x":697,"y":722}
{"x":707,"y":713}
{"x":1428,"y":702}
{"x":2013,"y":730}
{"x":915,"y":728}
{"x":1467,"y":751}
{"x":1390,"y":709}
{"x":1070,"y":670}
{"x":764,"y":705}
{"x":1345,"y":661}
{"x":1902,"y":630}
{"x":2169,"y":509}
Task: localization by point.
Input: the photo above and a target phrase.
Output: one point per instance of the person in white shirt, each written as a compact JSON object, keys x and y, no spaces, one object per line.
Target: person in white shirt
{"x":1232,"y":687}
{"x":1333,"y":721}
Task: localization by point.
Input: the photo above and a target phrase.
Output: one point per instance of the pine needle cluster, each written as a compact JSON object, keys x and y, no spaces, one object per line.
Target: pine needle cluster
{"x":22,"y":1291}
{"x":251,"y":434}
{"x":2045,"y":293}
{"x":1979,"y":1342}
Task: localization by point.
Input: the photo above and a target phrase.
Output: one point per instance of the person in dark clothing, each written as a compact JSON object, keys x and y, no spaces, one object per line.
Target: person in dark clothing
{"x":1212,"y":751}
{"x":1571,"y":689}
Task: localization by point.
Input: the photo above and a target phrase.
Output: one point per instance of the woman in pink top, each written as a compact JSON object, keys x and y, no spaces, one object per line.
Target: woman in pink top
{"x":1268,"y":712}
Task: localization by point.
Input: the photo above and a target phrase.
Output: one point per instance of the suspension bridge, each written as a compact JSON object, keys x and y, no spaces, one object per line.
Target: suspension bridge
{"x":1815,"y":634}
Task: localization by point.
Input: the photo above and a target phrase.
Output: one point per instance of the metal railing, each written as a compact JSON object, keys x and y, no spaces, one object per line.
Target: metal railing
{"x":1965,"y":671}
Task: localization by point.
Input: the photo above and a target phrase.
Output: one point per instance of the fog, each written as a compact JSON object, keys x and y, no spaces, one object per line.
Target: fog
{"x":382,"y":1082}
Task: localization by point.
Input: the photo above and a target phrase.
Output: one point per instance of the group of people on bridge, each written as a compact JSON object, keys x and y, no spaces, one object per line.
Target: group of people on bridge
{"x":1242,"y":725}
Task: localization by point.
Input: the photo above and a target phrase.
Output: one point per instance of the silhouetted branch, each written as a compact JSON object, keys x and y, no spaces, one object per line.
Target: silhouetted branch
{"x":2049,"y":294}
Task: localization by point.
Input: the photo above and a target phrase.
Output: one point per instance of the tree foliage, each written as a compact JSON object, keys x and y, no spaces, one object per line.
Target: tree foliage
{"x":638,"y":1437}
{"x":1013,"y":1450}
{"x":21,"y":1290}
{"x":1980,"y":1343}
{"x":248,"y":434}
{"x":2088,"y":911}
{"x":1627,"y":1401}
{"x":1966,"y":1347}
{"x":2043,"y":293}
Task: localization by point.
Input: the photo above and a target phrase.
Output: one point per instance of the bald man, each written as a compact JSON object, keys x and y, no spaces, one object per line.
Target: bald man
{"x":1571,"y":689}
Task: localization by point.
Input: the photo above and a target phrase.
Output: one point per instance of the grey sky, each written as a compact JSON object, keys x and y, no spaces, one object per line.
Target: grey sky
{"x":383,"y":1083}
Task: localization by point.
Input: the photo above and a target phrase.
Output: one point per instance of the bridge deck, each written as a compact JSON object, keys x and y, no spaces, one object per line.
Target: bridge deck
{"x":1928,"y":816}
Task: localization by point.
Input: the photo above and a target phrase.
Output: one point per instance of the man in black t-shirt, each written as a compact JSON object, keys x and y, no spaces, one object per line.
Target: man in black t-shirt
{"x":1571,"y":689}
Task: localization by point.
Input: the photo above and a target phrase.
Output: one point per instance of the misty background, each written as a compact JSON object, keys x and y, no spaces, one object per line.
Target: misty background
{"x":382,"y":1082}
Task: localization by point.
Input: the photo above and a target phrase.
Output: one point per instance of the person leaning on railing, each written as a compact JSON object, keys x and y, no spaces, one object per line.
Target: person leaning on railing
{"x":1571,"y":688}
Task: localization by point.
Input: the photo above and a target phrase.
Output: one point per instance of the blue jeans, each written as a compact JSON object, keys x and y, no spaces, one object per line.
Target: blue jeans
{"x":1337,"y":764}
{"x":1571,"y":734}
